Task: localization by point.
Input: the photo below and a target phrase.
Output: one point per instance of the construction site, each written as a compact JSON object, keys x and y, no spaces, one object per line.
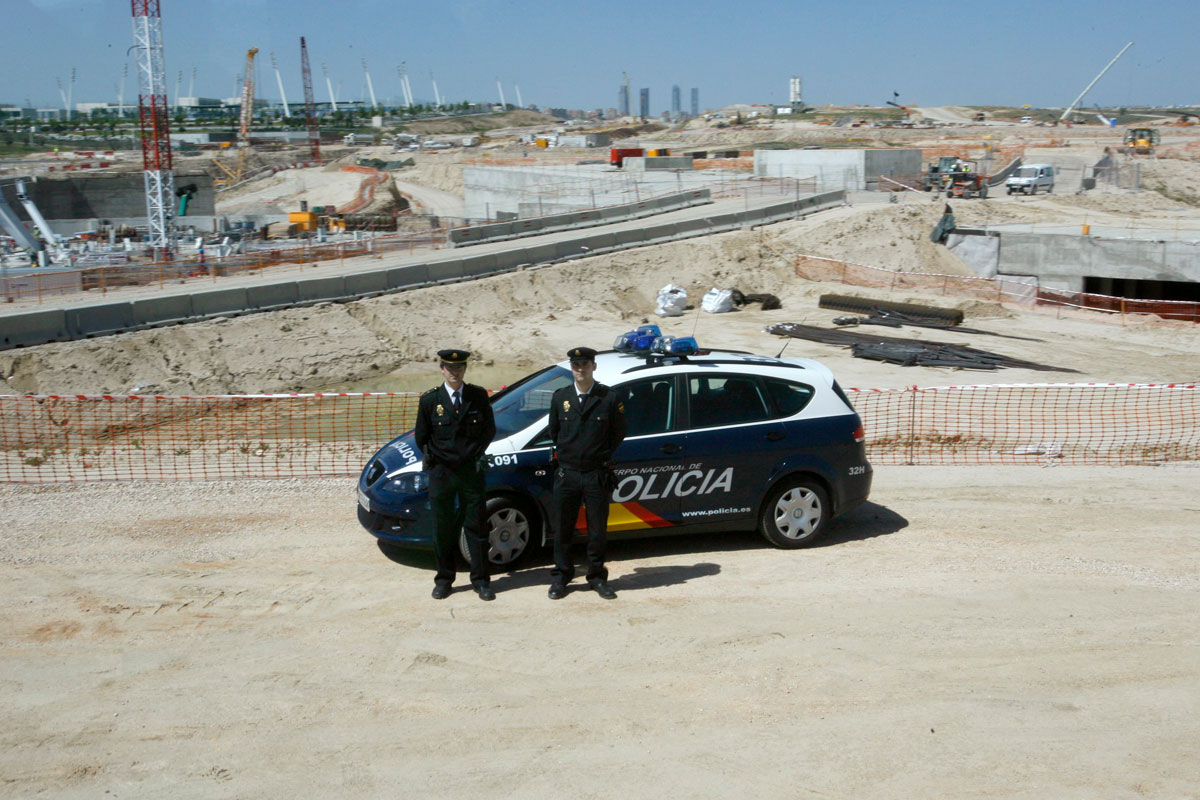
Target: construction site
{"x":203,"y":338}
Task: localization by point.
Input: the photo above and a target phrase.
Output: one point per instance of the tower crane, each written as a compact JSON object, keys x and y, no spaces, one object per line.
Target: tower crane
{"x":310,"y":113}
{"x":238,"y":171}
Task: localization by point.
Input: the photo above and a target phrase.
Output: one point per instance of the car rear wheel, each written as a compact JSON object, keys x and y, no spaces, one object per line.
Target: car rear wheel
{"x":510,"y":532}
{"x":795,"y":514}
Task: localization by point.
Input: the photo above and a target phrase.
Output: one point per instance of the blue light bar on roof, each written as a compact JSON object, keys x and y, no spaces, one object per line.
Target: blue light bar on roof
{"x":638,"y":341}
{"x":675,"y":346}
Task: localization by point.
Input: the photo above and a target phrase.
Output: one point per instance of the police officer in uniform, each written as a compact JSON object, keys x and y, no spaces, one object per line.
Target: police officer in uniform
{"x":454,"y":427}
{"x":587,"y":422}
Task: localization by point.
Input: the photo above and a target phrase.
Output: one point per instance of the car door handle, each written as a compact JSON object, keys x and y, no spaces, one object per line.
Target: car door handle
{"x":775,"y":436}
{"x":670,"y":448}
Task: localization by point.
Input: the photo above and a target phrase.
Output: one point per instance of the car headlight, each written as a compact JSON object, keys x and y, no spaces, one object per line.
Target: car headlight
{"x":410,"y":482}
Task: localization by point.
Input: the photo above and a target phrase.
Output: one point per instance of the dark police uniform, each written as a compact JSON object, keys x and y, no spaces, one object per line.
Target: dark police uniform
{"x":585,"y":437}
{"x":453,"y":445}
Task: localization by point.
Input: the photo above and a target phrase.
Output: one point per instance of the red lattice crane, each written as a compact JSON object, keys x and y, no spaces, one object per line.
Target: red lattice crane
{"x":310,"y":112}
{"x":153,"y":117}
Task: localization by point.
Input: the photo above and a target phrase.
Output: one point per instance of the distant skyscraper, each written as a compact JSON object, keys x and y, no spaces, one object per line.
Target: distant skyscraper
{"x":795,"y":95}
{"x":645,"y":104}
{"x":675,"y":107}
{"x":623,"y":100}
{"x":695,"y":102}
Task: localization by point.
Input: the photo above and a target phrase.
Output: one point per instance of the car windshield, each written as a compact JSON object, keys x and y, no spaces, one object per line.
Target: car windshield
{"x":526,"y":402}
{"x":1027,"y":172}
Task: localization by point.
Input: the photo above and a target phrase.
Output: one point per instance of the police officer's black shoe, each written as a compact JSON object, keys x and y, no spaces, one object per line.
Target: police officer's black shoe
{"x":603,"y":589}
{"x":440,"y":592}
{"x":485,"y":593}
{"x":557,"y":591}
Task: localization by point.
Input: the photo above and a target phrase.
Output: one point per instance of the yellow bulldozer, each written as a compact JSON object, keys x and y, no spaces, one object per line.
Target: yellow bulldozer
{"x":1141,"y":141}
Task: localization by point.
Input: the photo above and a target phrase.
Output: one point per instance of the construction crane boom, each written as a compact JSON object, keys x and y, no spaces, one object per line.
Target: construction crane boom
{"x":287,"y":112}
{"x":1071,"y":107}
{"x":310,"y":112}
{"x":247,"y":99}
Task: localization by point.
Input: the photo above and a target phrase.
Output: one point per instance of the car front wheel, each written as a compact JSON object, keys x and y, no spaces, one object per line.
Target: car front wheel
{"x":510,"y":528}
{"x":795,"y":514}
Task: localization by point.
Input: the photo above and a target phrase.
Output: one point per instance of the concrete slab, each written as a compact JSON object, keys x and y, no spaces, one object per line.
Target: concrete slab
{"x":219,"y":301}
{"x":331,"y":288}
{"x":88,"y":321}
{"x":272,"y":295}
{"x":361,"y":283}
{"x":37,"y":327}
{"x":167,"y":308}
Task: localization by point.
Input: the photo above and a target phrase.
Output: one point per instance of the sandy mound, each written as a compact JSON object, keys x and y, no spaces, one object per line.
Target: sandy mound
{"x":284,"y":191}
{"x":437,"y":172}
{"x":895,"y":237}
{"x":1175,"y":179}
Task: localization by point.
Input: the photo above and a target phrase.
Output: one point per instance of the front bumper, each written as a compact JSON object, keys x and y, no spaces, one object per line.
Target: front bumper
{"x":408,"y":523}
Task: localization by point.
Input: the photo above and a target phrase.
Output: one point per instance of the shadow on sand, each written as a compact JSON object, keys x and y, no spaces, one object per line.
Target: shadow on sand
{"x":865,"y":522}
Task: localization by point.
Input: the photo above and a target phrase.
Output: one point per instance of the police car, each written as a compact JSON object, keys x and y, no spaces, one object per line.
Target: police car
{"x":716,"y":440}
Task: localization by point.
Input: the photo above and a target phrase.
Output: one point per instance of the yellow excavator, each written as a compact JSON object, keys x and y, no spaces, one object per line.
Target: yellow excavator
{"x":1141,"y":141}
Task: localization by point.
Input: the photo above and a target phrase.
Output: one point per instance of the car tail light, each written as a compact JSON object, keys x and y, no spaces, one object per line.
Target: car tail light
{"x":860,"y":434}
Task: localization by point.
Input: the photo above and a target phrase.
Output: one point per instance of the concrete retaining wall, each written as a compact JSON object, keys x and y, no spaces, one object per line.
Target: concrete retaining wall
{"x":848,"y":170}
{"x":39,"y":327}
{"x":979,"y":252}
{"x":647,"y":163}
{"x":1063,"y":261}
{"x":104,"y":196}
{"x":534,"y":226}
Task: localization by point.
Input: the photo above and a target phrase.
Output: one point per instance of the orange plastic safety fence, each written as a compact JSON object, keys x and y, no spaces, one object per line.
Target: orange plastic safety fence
{"x":1032,"y":424}
{"x":105,"y":438}
{"x":111,"y":438}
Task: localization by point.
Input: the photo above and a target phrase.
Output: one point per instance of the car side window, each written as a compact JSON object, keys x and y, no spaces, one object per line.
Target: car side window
{"x":788,"y":397}
{"x":541,"y":440}
{"x":649,"y":405}
{"x":725,"y":400}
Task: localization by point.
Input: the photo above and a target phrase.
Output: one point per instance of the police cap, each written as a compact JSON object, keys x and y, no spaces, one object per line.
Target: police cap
{"x":581,"y":354}
{"x":454,"y":357}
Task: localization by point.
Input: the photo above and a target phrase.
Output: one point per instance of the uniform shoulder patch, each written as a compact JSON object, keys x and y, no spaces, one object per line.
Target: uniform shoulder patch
{"x":430,"y":391}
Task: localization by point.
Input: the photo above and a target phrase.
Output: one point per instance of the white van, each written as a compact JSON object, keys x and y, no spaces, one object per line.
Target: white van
{"x":1031,"y":177}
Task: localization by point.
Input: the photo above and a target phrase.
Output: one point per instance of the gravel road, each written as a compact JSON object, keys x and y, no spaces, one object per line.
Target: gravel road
{"x":986,"y":632}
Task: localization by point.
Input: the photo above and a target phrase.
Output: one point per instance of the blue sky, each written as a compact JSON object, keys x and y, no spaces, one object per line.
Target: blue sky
{"x":1005,"y":53}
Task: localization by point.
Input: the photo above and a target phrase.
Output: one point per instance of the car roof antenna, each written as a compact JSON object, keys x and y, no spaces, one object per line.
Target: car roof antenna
{"x":787,"y":341}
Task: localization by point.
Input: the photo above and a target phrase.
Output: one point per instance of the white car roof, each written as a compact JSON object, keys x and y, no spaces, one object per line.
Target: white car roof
{"x":614,"y":368}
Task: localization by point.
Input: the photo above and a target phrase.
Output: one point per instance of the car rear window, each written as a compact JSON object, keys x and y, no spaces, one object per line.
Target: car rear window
{"x":789,"y":397}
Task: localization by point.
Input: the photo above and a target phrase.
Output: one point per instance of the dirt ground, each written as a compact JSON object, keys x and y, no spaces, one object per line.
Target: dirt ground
{"x":971,"y":632}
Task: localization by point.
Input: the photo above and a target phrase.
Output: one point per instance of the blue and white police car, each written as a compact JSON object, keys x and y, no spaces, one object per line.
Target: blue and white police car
{"x":716,"y":440}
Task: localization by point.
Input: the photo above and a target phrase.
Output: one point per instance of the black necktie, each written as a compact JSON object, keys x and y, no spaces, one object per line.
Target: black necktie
{"x":582,"y":397}
{"x":457,"y":403}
